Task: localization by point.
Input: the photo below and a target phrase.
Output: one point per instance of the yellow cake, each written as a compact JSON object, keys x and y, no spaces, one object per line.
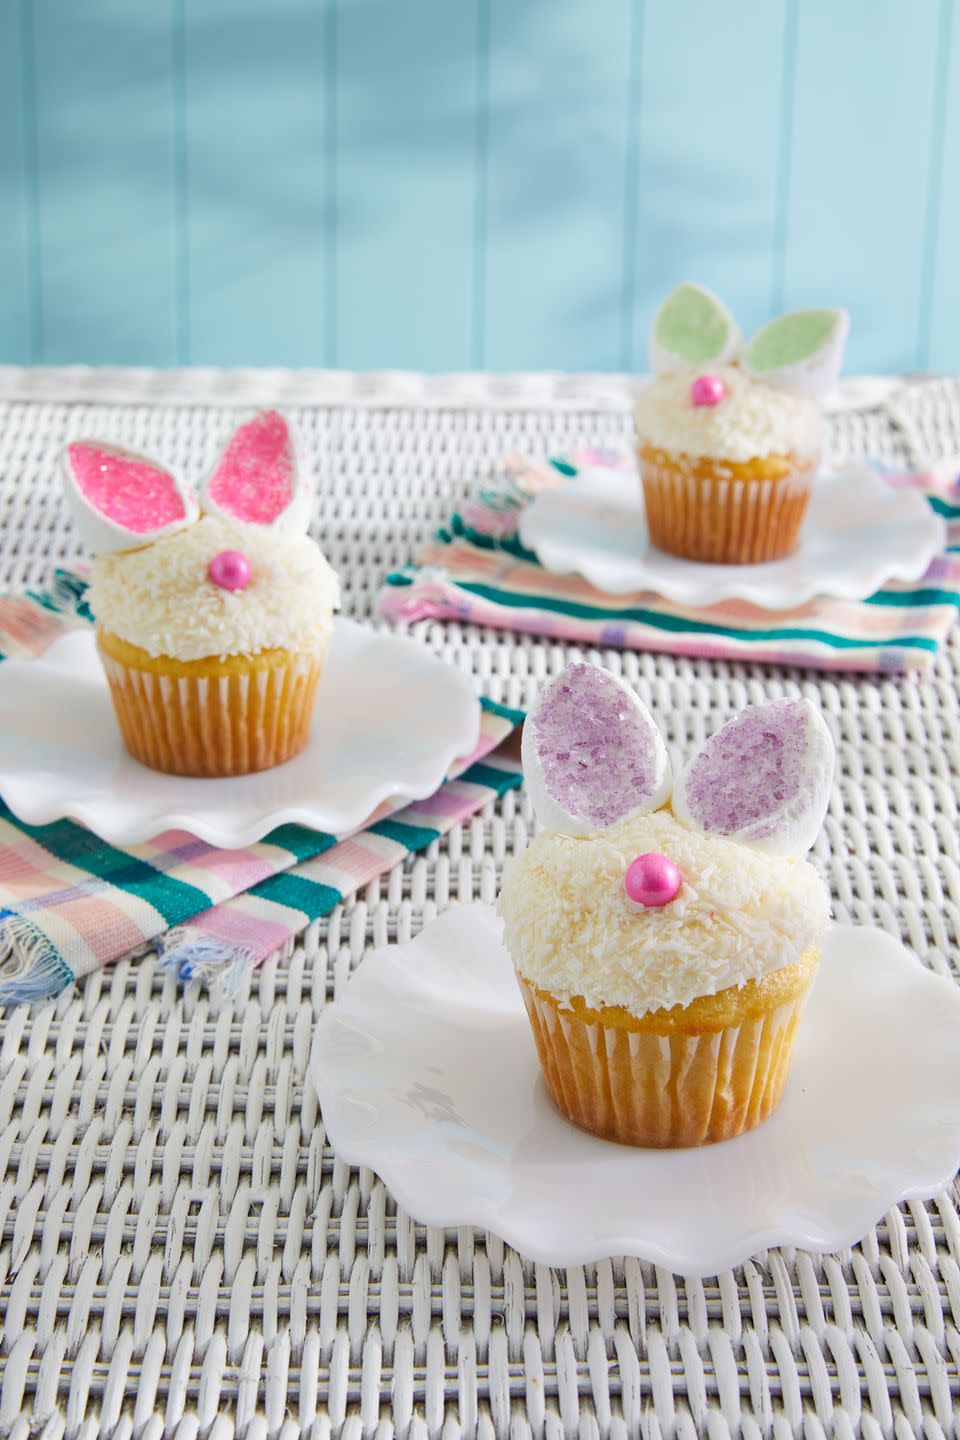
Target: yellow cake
{"x":674,"y":1026}
{"x":726,"y":478}
{"x":209,"y":681}
{"x":666,"y":930}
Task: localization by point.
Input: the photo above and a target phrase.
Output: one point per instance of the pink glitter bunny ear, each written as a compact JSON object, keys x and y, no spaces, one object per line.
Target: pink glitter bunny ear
{"x":121,"y":500}
{"x":592,"y":753}
{"x":763,"y":779}
{"x":257,"y":477}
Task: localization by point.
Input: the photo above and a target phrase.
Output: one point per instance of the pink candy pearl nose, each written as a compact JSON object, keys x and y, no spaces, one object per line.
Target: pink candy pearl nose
{"x":707,"y":390}
{"x":230,"y":570}
{"x":651,"y":879}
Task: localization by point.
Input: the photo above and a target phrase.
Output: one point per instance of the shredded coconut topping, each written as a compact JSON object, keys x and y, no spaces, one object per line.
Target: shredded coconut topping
{"x":161,"y":598}
{"x":751,"y":420}
{"x":738,"y":915}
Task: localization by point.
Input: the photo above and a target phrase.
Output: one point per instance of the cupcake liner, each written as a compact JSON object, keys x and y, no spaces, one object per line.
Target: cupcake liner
{"x":250,"y":718}
{"x":722,"y":518}
{"x":664,"y":1090}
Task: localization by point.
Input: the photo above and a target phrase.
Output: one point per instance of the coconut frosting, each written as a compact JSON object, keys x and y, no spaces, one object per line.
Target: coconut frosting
{"x":739,"y":915}
{"x":161,"y":598}
{"x":750,"y":421}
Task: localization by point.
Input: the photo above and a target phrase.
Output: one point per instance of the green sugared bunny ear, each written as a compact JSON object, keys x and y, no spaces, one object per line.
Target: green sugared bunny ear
{"x":802,"y":351}
{"x":692,"y":328}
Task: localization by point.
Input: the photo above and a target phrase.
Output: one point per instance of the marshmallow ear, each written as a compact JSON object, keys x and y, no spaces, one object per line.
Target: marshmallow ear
{"x":763,"y":779}
{"x":121,"y":500}
{"x":592,"y":753}
{"x":802,"y":351}
{"x":258,"y":479}
{"x":692,"y":328}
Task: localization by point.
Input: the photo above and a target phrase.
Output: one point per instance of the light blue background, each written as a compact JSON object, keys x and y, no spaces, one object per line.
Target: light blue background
{"x":453,"y":184}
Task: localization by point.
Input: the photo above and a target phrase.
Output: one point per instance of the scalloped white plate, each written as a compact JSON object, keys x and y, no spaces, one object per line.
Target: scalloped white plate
{"x":389,"y":721}
{"x":426,"y":1072}
{"x":860,"y":532}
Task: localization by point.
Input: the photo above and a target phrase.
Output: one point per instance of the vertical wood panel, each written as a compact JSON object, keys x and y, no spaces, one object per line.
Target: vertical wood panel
{"x":485,"y":182}
{"x":257,"y":216}
{"x":860,"y":169}
{"x":15,"y":290}
{"x":558,"y":86}
{"x":406,"y":132}
{"x":709,"y":118}
{"x":940,"y":319}
{"x":105,"y":181}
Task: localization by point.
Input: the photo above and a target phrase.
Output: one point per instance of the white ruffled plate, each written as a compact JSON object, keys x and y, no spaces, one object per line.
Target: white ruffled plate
{"x":426,"y":1072}
{"x":389,"y":721}
{"x":860,"y":532}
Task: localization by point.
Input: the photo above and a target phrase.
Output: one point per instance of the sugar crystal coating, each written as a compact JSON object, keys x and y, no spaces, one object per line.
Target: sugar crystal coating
{"x":255,"y":477}
{"x":751,"y":771}
{"x":597,"y":751}
{"x":132,"y":492}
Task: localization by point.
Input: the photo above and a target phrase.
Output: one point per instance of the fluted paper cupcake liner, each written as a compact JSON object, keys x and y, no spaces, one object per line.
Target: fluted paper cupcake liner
{"x":645,"y":1088}
{"x":723,"y":520}
{"x":215,"y":725}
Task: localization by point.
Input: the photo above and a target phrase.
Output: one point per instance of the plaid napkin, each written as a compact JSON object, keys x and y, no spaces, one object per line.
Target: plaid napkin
{"x":70,"y":903}
{"x":477,"y":570}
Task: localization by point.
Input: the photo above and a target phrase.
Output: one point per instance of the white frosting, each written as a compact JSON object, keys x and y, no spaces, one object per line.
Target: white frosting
{"x":161,"y":599}
{"x":751,"y":420}
{"x":739,"y":915}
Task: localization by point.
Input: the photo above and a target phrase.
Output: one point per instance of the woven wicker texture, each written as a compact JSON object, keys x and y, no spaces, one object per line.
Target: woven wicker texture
{"x":181,"y":1254}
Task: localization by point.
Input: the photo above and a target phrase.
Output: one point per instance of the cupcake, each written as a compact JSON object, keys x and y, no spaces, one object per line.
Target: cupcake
{"x":729,"y":437}
{"x":666,"y":935}
{"x":213,"y":620}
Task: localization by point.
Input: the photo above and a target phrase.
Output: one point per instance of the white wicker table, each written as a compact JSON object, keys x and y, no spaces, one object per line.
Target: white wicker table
{"x":180,"y":1253}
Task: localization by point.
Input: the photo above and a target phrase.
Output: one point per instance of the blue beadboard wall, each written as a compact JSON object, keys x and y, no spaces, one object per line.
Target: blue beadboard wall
{"x":450,"y":184}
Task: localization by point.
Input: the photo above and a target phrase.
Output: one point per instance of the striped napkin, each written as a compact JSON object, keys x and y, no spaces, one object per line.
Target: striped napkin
{"x":70,"y":903}
{"x":476,"y":570}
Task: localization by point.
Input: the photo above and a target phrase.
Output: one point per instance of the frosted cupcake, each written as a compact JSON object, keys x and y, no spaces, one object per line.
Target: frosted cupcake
{"x":666,"y":936}
{"x":213,"y":627}
{"x":729,"y":437}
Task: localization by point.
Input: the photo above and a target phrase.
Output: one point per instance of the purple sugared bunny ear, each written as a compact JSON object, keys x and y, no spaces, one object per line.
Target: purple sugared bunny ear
{"x":257,"y":479}
{"x":121,"y":500}
{"x":763,"y":779}
{"x":592,"y":753}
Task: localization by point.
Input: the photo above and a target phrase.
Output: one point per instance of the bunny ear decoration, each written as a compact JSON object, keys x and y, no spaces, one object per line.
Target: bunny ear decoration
{"x":257,"y":477}
{"x":801,"y":352}
{"x":763,"y":779}
{"x":692,"y":328}
{"x":121,"y":500}
{"x":592,"y":753}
